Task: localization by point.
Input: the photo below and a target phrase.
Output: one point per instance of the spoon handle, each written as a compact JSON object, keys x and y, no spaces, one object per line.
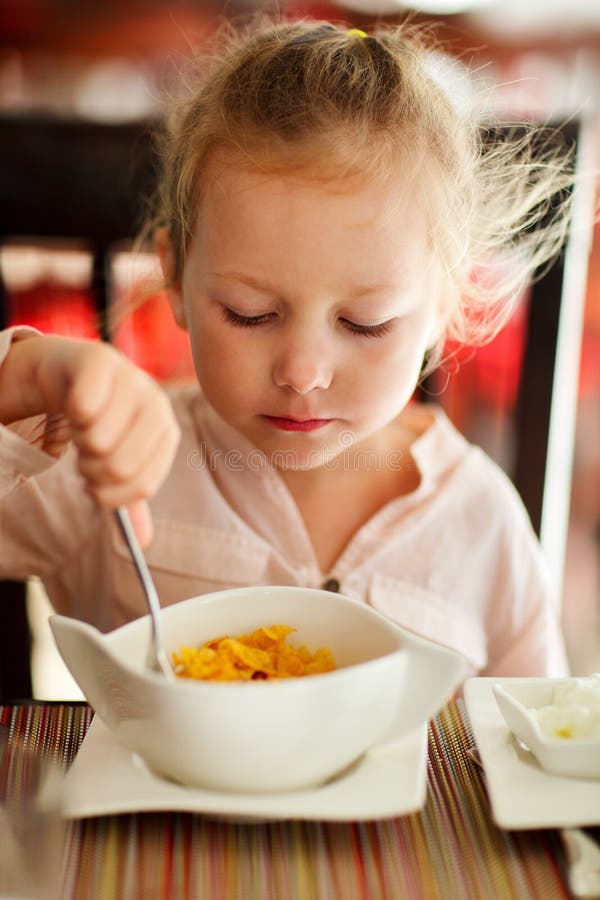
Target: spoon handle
{"x":157,"y":658}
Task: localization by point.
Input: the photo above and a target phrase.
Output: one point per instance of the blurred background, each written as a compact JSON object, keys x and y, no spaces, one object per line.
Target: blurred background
{"x":111,"y":62}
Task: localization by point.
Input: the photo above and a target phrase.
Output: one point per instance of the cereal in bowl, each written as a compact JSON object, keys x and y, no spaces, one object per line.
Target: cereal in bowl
{"x":262,"y":655}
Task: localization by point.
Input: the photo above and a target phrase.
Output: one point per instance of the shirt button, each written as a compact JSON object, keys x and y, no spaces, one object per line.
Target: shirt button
{"x":332,"y":584}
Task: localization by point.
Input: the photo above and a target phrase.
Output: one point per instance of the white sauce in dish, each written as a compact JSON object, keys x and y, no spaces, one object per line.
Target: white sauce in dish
{"x":575,"y":710}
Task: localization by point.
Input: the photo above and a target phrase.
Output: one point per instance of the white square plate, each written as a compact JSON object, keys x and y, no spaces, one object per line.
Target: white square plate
{"x":522,"y":794}
{"x":106,"y":778}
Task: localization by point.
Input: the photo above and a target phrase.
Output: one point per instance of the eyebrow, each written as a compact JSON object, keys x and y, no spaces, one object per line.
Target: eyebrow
{"x":359,"y":292}
{"x":246,"y":279}
{"x":356,"y":293}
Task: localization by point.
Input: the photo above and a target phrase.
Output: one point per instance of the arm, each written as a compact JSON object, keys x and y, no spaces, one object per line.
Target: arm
{"x":525,"y":637}
{"x":537,"y":651}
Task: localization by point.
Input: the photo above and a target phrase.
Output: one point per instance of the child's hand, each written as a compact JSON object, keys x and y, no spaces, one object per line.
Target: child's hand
{"x":118,"y":418}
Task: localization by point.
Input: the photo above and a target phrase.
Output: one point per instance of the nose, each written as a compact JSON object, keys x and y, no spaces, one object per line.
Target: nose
{"x":303,"y":368}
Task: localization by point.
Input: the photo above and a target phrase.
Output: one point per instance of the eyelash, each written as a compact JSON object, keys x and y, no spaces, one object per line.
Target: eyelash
{"x":241,"y":321}
{"x":244,"y":321}
{"x":369,"y":330}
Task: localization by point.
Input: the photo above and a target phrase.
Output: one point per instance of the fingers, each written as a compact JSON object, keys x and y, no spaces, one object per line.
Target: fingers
{"x":141,"y":520}
{"x":73,"y":378}
{"x":135,"y":467}
{"x":99,"y":377}
{"x":121,"y":422}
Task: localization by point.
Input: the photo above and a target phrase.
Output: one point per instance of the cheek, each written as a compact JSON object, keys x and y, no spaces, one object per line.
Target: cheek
{"x":223,"y":360}
{"x":401,"y":355}
{"x":375,"y":379}
{"x":388,"y":374}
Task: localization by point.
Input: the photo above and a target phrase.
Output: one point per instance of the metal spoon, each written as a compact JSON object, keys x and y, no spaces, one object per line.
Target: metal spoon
{"x":157,"y":658}
{"x":583,"y":852}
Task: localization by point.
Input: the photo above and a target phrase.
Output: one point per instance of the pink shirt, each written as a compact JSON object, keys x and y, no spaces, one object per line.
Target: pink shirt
{"x":456,"y":560}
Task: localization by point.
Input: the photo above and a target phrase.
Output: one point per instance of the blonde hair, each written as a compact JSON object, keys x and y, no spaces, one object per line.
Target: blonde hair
{"x":312,"y":98}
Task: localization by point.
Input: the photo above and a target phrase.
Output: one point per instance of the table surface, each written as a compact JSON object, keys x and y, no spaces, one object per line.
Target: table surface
{"x":450,"y":849}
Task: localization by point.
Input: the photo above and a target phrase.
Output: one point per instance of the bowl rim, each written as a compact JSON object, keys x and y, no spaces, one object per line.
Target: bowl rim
{"x":301,"y":683}
{"x":406,"y":639}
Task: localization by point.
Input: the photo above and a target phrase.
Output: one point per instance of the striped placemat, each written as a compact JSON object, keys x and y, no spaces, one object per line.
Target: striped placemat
{"x":451,"y":849}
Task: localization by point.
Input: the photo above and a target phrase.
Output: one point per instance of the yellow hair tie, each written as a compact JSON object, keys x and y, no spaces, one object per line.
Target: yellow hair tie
{"x":357,"y":32}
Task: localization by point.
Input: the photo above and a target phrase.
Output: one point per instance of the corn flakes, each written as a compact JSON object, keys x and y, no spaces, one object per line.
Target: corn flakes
{"x":262,"y":655}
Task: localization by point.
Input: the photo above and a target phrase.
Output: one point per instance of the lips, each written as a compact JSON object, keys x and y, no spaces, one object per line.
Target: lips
{"x":286,"y":423}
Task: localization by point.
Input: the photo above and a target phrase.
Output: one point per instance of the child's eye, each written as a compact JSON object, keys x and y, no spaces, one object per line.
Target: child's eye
{"x":235,"y":318}
{"x":369,"y":330}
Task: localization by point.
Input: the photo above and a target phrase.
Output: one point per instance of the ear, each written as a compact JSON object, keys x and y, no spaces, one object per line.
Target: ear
{"x":166,"y":255}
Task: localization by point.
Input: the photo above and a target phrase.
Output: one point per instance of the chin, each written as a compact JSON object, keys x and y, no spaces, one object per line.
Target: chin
{"x":296,"y":460}
{"x":305,"y":459}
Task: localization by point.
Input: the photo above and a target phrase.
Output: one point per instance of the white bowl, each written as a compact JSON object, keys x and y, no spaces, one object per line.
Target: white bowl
{"x":261,"y":736}
{"x":518,"y":702}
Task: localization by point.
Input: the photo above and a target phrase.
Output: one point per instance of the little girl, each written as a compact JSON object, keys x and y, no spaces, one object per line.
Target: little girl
{"x":323,"y":204}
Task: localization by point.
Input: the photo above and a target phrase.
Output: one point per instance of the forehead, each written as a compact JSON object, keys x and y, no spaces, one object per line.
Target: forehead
{"x":250,"y":200}
{"x":306,"y":239}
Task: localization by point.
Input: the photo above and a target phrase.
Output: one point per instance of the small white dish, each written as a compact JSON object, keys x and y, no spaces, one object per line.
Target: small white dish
{"x":107,"y":779}
{"x":522,"y":794}
{"x":261,"y":736}
{"x":577,"y":757}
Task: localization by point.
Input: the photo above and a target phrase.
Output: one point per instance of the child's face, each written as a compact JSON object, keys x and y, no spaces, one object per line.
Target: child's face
{"x":309,"y":310}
